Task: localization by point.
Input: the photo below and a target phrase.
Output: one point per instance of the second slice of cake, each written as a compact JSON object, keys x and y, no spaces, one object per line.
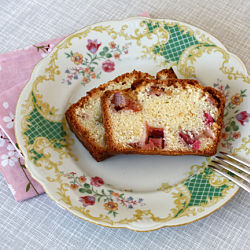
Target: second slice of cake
{"x":172,"y":117}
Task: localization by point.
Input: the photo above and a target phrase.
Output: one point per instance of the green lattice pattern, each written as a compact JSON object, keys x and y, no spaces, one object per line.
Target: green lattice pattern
{"x":38,"y":126}
{"x":35,"y":155}
{"x":152,"y":26}
{"x":177,"y":43}
{"x":201,"y":189}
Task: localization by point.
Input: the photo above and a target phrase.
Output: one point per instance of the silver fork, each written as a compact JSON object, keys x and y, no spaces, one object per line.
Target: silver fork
{"x":226,"y":161}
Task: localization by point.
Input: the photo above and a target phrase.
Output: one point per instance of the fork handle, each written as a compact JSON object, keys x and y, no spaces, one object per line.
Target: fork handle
{"x":240,"y":184}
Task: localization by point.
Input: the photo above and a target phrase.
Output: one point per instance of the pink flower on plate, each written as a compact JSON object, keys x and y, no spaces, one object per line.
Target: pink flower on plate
{"x":108,"y":66}
{"x":9,"y":120}
{"x":93,"y":46}
{"x":96,"y":181}
{"x":87,"y":200}
{"x":116,"y":55}
{"x":242,"y":117}
{"x":9,"y":159}
{"x":112,"y":45}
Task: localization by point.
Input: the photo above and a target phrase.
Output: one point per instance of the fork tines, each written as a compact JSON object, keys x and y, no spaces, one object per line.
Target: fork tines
{"x":226,"y":161}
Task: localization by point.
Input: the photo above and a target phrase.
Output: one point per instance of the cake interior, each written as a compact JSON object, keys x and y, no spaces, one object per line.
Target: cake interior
{"x":90,"y":114}
{"x":164,"y":117}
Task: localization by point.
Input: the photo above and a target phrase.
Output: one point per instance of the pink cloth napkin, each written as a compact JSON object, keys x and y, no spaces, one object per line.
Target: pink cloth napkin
{"x":15,"y":70}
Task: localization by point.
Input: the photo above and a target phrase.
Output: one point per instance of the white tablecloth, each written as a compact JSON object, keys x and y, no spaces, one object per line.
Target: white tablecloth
{"x":39,"y":223}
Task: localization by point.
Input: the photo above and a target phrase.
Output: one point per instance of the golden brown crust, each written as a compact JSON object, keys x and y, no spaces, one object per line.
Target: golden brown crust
{"x":166,"y":74}
{"x":83,"y":136}
{"x":220,"y":98}
{"x":107,"y":123}
{"x":97,"y":151}
{"x":113,"y":148}
{"x":161,"y":75}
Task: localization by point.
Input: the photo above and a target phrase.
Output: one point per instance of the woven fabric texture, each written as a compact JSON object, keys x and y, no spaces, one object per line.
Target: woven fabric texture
{"x":39,"y":223}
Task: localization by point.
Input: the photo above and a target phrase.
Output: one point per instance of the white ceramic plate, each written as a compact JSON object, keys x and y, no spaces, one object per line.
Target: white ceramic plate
{"x":138,"y":192}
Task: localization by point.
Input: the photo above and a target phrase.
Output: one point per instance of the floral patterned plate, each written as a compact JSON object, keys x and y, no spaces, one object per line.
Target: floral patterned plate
{"x":138,"y":192}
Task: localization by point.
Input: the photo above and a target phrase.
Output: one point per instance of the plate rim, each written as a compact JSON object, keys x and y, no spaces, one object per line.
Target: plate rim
{"x":126,"y":226}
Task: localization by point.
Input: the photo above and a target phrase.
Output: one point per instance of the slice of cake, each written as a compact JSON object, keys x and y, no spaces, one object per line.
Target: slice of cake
{"x":85,"y":116}
{"x":171,"y":117}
